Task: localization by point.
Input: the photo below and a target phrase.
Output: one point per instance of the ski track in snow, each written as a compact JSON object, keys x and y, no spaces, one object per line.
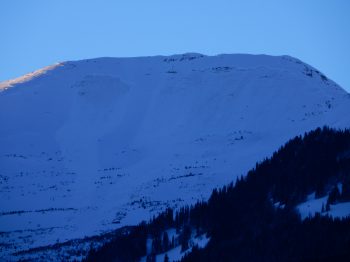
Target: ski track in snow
{"x":92,"y":145}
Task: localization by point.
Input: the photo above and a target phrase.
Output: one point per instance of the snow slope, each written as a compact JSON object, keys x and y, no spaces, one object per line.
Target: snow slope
{"x":92,"y":145}
{"x":314,"y":205}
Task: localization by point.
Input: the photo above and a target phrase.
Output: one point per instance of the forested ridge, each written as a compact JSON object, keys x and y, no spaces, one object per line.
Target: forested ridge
{"x":242,"y":219}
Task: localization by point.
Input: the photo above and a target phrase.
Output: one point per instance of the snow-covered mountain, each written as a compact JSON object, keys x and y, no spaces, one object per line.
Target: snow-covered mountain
{"x":92,"y":145}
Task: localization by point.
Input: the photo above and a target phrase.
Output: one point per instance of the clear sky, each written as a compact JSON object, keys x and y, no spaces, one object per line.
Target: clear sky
{"x":36,"y":33}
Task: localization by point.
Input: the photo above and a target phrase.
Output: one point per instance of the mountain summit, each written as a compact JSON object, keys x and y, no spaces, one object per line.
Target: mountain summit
{"x":89,"y":146}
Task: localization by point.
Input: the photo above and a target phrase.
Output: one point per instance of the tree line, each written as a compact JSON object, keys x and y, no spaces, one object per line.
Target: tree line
{"x":242,"y":220}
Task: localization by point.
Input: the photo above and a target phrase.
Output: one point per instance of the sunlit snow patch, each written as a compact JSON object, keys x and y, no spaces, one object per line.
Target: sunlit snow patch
{"x":27,"y":77}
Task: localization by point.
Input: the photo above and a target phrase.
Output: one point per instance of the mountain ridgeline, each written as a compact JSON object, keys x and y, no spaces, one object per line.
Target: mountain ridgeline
{"x":92,"y":146}
{"x":242,"y":219}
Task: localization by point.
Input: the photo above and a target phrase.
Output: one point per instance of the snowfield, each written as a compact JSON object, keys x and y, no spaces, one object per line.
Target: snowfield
{"x":92,"y":145}
{"x":314,"y":205}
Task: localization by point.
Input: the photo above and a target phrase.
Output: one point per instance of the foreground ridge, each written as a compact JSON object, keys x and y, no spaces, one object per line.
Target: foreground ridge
{"x":256,"y":218}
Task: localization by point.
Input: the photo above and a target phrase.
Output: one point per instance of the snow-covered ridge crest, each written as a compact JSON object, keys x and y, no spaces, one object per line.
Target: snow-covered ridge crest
{"x":27,"y":77}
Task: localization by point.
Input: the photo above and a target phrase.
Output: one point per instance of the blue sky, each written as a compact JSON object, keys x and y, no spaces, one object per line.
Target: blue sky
{"x":37,"y":33}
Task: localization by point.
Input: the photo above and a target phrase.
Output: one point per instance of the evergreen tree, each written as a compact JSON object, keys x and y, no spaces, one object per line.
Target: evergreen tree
{"x":166,"y":244}
{"x":185,"y":236}
{"x":166,"y":258}
{"x":334,"y":195}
